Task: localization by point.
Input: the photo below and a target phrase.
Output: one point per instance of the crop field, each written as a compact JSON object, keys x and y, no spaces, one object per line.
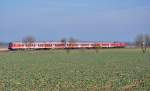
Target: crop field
{"x":75,"y":70}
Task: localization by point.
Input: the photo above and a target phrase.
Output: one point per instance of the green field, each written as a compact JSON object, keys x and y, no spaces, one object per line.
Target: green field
{"x":78,"y":70}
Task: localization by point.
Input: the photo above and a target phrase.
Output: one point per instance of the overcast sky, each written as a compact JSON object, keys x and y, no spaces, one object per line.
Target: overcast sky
{"x":101,"y":20}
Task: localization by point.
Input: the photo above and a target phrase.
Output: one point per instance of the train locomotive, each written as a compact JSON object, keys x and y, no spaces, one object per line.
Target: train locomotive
{"x":64,"y":45}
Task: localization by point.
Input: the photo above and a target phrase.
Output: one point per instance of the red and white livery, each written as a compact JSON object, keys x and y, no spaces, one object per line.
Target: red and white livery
{"x":66,"y":45}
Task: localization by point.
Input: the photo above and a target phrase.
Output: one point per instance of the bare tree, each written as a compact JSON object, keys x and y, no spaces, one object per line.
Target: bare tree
{"x":147,"y":40}
{"x":28,"y":39}
{"x":143,"y":41}
{"x":64,"y":41}
{"x":72,"y":41}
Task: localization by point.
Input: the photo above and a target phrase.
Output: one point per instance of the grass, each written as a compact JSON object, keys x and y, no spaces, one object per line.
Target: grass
{"x":78,"y":70}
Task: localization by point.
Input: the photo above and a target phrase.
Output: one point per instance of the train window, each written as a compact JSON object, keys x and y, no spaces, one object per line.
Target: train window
{"x":93,"y":44}
{"x":84,"y":44}
{"x":56,"y":44}
{"x":47,"y":45}
{"x":59,"y":44}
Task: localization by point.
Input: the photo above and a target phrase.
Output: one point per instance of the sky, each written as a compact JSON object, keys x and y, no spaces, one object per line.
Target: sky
{"x":95,"y":20}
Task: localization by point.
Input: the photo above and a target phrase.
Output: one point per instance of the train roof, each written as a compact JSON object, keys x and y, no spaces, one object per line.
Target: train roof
{"x":80,"y":42}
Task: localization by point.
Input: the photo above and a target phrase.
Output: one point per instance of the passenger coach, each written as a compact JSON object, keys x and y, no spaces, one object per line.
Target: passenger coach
{"x":64,"y":45}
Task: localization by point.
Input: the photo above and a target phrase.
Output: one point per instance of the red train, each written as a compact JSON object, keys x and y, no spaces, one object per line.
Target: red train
{"x":62,"y":45}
